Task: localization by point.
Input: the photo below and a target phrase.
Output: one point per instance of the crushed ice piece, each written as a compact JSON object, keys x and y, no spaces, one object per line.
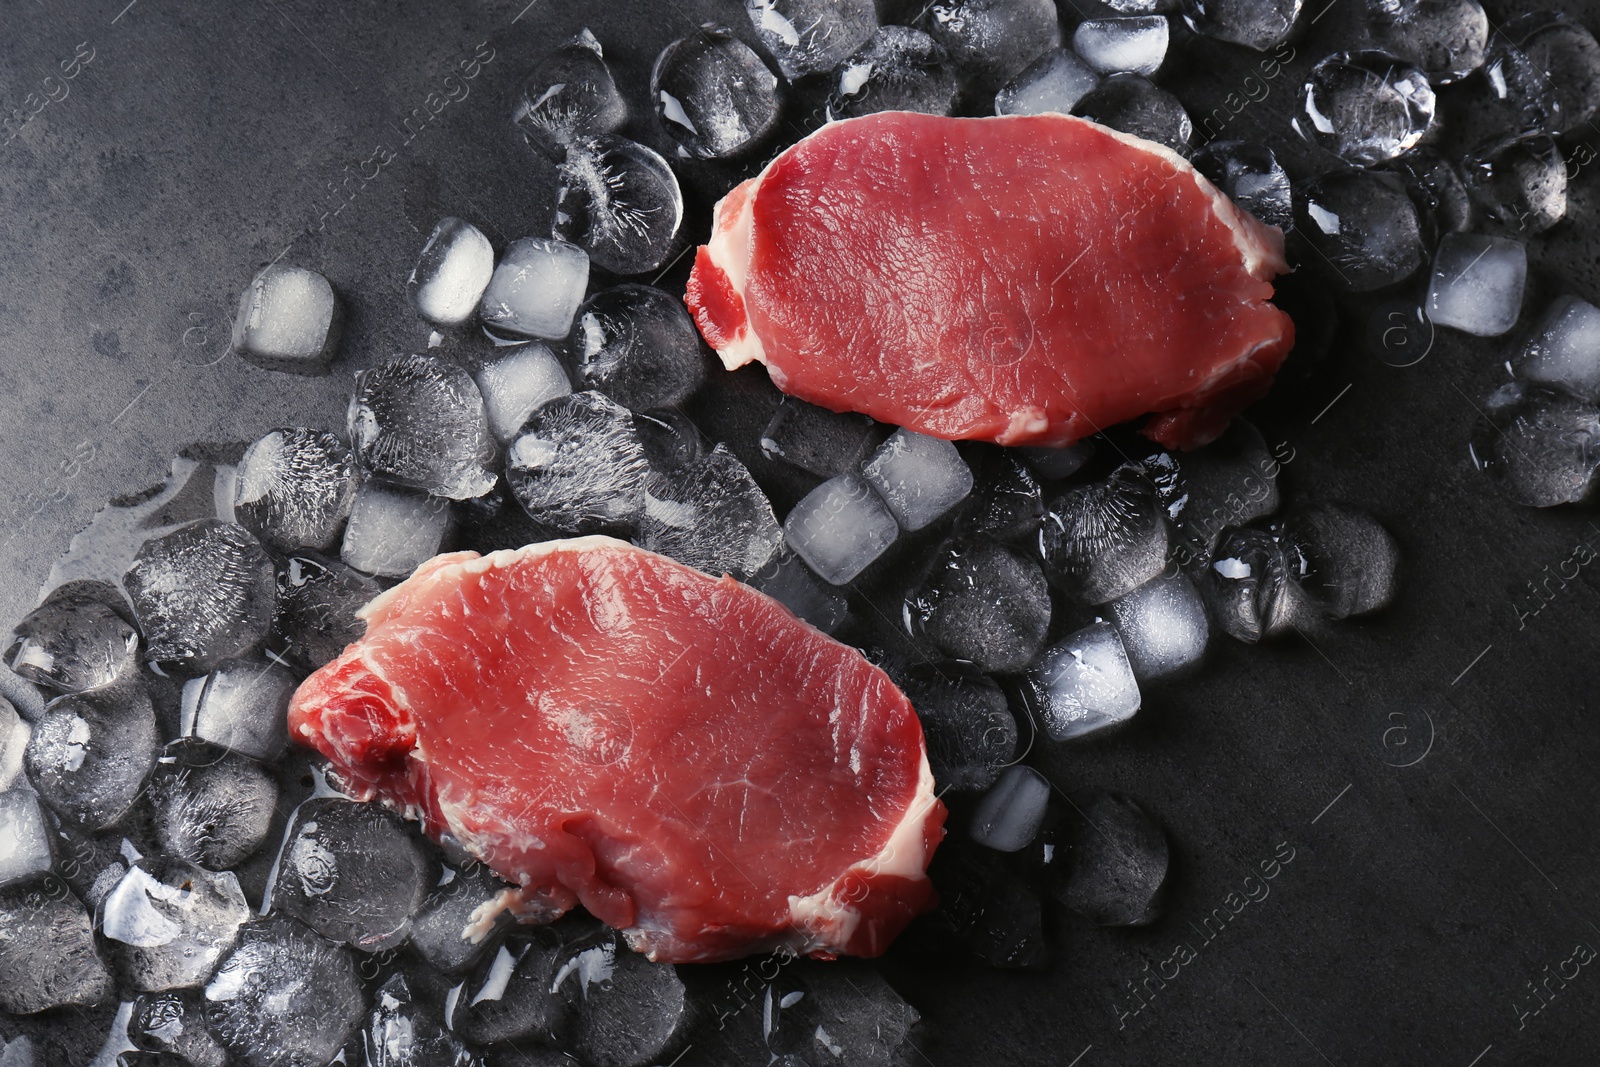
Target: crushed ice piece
{"x":1163,"y":626}
{"x":918,"y":476}
{"x":619,"y":201}
{"x":840,"y":527}
{"x":1477,"y":283}
{"x":452,"y":271}
{"x":170,"y":923}
{"x":1008,"y":816}
{"x":294,"y":489}
{"x":516,"y":384}
{"x":637,"y":345}
{"x":392,"y":531}
{"x":578,"y":466}
{"x":24,"y":837}
{"x":288,"y":320}
{"x":898,"y":69}
{"x":1135,"y":45}
{"x":1084,"y":684}
{"x":536,"y":288}
{"x":567,"y":97}
{"x":202,"y":593}
{"x":1365,"y":107}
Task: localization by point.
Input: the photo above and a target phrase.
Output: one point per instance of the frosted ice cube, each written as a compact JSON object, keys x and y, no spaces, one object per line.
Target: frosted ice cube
{"x":288,"y":320}
{"x":788,"y":580}
{"x":1520,"y":182}
{"x":1056,"y":81}
{"x":516,"y":383}
{"x":1365,"y":107}
{"x":392,"y":531}
{"x":811,"y":36}
{"x":578,"y":466}
{"x":1133,"y":104}
{"x":568,"y":96}
{"x":1477,"y":283}
{"x":714,"y":95}
{"x":317,"y":603}
{"x":1258,"y":24}
{"x":170,"y":924}
{"x":1135,"y":45}
{"x":77,"y":639}
{"x":14,"y":734}
{"x":1118,"y":861}
{"x":452,"y":271}
{"x":1251,"y":177}
{"x":536,"y":288}
{"x":898,"y":69}
{"x":202,"y":593}
{"x":1546,"y":445}
{"x":1163,"y":626}
{"x":991,"y":41}
{"x":1104,"y":539}
{"x":711,"y":516}
{"x":47,"y":950}
{"x":294,"y":489}
{"x":982,"y":602}
{"x":637,"y":345}
{"x":24,"y":837}
{"x":1566,"y":350}
{"x":419,"y":421}
{"x":1446,"y":38}
{"x":90,"y":753}
{"x":970,"y":731}
{"x":1361,"y":227}
{"x":1084,"y":684}
{"x":840,"y":527}
{"x":918,"y":476}
{"x":1009,"y":815}
{"x":211,"y":808}
{"x":244,"y":708}
{"x":621,"y":203}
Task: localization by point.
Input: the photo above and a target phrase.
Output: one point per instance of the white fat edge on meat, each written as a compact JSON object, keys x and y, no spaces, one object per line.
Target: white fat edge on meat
{"x":905,"y":855}
{"x":730,"y":248}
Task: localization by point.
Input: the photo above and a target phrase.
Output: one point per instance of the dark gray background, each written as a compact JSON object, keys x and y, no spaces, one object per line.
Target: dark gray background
{"x":202,"y":141}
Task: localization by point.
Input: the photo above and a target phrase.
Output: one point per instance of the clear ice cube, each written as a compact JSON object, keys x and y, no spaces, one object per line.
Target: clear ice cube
{"x":24,"y":837}
{"x":1545,"y":447}
{"x":202,"y":593}
{"x":1351,"y":561}
{"x":918,"y":476}
{"x":1084,"y":684}
{"x":1258,"y":24}
{"x":1136,"y":45}
{"x":898,"y":69}
{"x":169,"y":923}
{"x":621,"y":203}
{"x":1133,"y":104}
{"x":317,"y":603}
{"x":1565,"y":352}
{"x":671,"y":439}
{"x":714,"y":95}
{"x":982,"y":602}
{"x":1477,"y":283}
{"x":517,"y":383}
{"x":1007,"y":501}
{"x":511,"y":995}
{"x":47,"y":951}
{"x":1009,"y":815}
{"x":352,"y":873}
{"x":77,"y":639}
{"x":211,"y":808}
{"x":1228,"y":483}
{"x":244,"y":708}
{"x":1546,"y":64}
{"x":1252,"y":178}
{"x":1252,"y":585}
{"x":1445,"y":38}
{"x":1054,"y":82}
{"x":840,"y":527}
{"x":1519,"y":182}
{"x":1115,"y":864}
{"x":1365,"y":107}
{"x":579,"y":467}
{"x":406,"y":1029}
{"x":1102,"y":540}
{"x":968,"y":725}
{"x":811,"y":36}
{"x":569,"y":96}
{"x":288,"y":320}
{"x":90,"y":753}
{"x":1163,"y":627}
{"x":624,"y":1010}
{"x":711,"y":516}
{"x":1361,"y":228}
{"x":788,"y":580}
{"x":453,"y":269}
{"x":637,"y":345}
{"x":175,"y":1022}
{"x":1439,"y":191}
{"x":284,"y":997}
{"x":815,"y":439}
{"x":536,"y":288}
{"x":991,"y":41}
{"x":450,"y":931}
{"x":393,"y":531}
{"x":419,"y":422}
{"x":294,"y":489}
{"x":841,"y":1012}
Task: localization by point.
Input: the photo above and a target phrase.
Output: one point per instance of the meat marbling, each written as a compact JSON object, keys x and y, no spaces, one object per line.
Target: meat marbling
{"x":1028,"y":280}
{"x":677,"y":753}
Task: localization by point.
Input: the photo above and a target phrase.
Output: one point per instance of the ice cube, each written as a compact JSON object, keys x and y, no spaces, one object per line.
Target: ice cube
{"x":317,"y":603}
{"x":637,"y":345}
{"x":1438,"y":191}
{"x":1009,"y":815}
{"x":569,"y":96}
{"x":898,"y":69}
{"x":969,"y":728}
{"x":1133,"y":104}
{"x":1054,"y":82}
{"x":840,"y":527}
{"x":517,"y":383}
{"x":788,"y":580}
{"x":1084,"y":684}
{"x":170,"y":923}
{"x":174,"y":1022}
{"x":624,"y":1010}
{"x":982,"y":602}
{"x":714,"y":96}
{"x":452,"y":271}
{"x":1361,"y":228}
{"x":1163,"y":626}
{"x":1546,"y":64}
{"x":450,"y":931}
{"x":90,"y":753}
{"x":77,"y":639}
{"x":244,"y":707}
{"x":1054,"y":464}
{"x":284,"y":997}
{"x":1365,"y":107}
{"x":47,"y":952}
{"x":288,"y":320}
{"x":811,"y":36}
{"x":24,"y":838}
{"x":671,"y":440}
{"x":1252,"y":584}
{"x":392,"y":531}
{"x":1251,"y":177}
{"x":1007,"y":502}
{"x":1229,"y":483}
{"x":212,"y":808}
{"x":621,"y":203}
{"x":815,"y":439}
{"x":988,"y":904}
{"x":1445,"y":38}
{"x":1116,"y":862}
{"x":294,"y":489}
{"x":1565,"y":352}
{"x":712,"y":516}
{"x":405,"y":1029}
{"x":1134,"y":45}
{"x":578,"y":466}
{"x":1520,"y":182}
{"x":1102,"y":540}
{"x":14,"y":734}
{"x":536,"y":288}
{"x":419,"y":422}
{"x":1258,"y":24}
{"x":841,"y":1012}
{"x":1477,"y":283}
{"x":352,"y":873}
{"x":918,"y":476}
{"x":1351,"y":559}
{"x":992,"y":41}
{"x":202,"y":593}
{"x":511,"y":995}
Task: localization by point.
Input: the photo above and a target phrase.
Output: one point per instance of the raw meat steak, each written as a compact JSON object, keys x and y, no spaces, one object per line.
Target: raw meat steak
{"x":1025,"y":279}
{"x":677,"y":753}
